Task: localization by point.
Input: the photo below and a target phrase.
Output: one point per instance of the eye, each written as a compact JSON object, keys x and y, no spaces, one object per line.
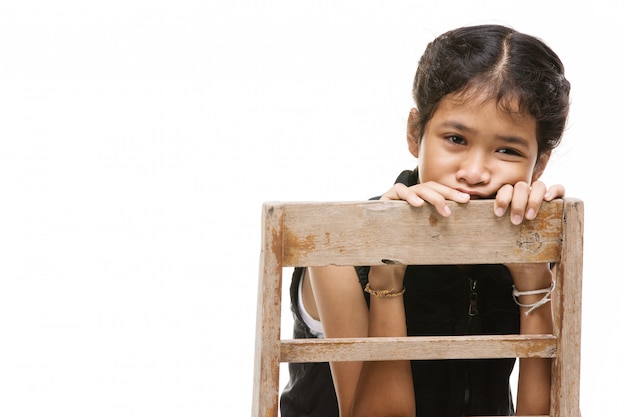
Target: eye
{"x":455,"y":139}
{"x":509,"y":151}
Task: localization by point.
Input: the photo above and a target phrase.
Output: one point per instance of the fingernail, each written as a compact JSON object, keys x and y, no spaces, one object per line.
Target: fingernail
{"x":530,"y":214}
{"x":446,"y":210}
{"x":499,"y":211}
{"x":517,"y":219}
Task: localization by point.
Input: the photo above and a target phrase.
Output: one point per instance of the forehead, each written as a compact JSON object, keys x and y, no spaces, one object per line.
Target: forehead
{"x":477,"y":96}
{"x":484,"y":112}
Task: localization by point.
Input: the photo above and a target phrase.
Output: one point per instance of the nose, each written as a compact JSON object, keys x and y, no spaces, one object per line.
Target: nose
{"x":473,"y":169}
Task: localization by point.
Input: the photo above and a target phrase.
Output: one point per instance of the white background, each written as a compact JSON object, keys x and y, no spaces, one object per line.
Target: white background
{"x":138,"y":140}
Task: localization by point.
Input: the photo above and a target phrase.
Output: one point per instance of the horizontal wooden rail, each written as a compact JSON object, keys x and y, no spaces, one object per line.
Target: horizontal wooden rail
{"x":364,"y":233}
{"x":424,"y":347}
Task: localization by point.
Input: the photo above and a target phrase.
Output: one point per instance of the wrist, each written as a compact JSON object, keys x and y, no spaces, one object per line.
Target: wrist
{"x":530,"y":277}
{"x":384,"y":293}
{"x":386,"y":277}
{"x":533,"y":299}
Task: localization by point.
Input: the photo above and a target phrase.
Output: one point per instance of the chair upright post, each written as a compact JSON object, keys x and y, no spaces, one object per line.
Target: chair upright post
{"x":267,"y":344}
{"x":567,"y":307}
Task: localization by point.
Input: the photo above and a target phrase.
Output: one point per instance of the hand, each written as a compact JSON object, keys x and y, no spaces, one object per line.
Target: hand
{"x":524,"y":200}
{"x":429,"y":192}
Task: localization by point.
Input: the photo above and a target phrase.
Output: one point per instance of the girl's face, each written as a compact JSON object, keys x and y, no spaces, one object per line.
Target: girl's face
{"x":473,"y":146}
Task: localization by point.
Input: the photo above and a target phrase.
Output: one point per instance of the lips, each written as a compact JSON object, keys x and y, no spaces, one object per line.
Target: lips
{"x":475,"y":195}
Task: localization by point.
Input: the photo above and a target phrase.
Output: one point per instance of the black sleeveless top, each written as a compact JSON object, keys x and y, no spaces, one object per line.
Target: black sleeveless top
{"x":439,"y":300}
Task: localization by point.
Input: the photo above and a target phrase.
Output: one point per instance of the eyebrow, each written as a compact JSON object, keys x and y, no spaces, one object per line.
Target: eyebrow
{"x":513,"y":140}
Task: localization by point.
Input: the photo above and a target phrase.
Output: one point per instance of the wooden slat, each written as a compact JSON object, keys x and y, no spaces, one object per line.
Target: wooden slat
{"x":267,"y":344}
{"x":567,"y":302}
{"x":406,"y":348}
{"x":318,"y":234}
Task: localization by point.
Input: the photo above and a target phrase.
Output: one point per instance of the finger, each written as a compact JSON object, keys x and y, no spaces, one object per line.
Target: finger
{"x":521,"y":191}
{"x":438,"y":195}
{"x":502,"y":200}
{"x":448,"y":193}
{"x":537,"y":194}
{"x":555,"y":191}
{"x":394,"y":192}
{"x":432,"y":195}
{"x":401,"y":192}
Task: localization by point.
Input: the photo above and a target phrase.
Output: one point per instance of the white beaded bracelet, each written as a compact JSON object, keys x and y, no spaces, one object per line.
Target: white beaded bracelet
{"x":536,"y":305}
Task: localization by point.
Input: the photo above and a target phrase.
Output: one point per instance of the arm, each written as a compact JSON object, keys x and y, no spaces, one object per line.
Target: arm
{"x":523,"y":200}
{"x":386,"y":387}
{"x":370,"y":388}
{"x":533,"y":392}
{"x":338,"y":299}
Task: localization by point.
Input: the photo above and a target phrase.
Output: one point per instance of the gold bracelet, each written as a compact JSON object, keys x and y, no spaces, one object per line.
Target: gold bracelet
{"x":384,"y":293}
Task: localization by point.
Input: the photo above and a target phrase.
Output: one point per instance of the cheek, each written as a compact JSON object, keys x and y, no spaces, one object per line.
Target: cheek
{"x":431,"y":169}
{"x":423,"y":170}
{"x":539,"y":166}
{"x":523,"y":172}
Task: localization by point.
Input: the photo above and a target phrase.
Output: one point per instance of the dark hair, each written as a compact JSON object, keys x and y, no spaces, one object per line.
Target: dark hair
{"x":517,"y":70}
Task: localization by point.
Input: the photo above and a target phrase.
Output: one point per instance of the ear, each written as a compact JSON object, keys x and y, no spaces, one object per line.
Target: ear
{"x":541,"y":164}
{"x":412,"y":129}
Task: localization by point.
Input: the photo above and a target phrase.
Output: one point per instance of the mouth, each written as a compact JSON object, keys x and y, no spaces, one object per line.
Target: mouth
{"x":475,"y":195}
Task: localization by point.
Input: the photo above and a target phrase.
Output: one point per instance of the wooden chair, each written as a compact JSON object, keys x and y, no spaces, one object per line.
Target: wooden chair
{"x":365,"y":233}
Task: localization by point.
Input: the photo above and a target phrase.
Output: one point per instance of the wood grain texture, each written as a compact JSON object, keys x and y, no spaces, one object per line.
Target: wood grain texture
{"x":406,"y":348}
{"x":367,"y":233}
{"x":567,"y":306}
{"x":267,"y":343}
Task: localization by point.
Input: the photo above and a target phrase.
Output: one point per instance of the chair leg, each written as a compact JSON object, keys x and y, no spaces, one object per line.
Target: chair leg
{"x":267,"y":345}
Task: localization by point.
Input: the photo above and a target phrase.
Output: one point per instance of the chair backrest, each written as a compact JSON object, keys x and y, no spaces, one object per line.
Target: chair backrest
{"x":375,"y":232}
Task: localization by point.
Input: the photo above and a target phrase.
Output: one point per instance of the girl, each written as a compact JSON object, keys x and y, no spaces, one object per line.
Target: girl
{"x":491,"y":104}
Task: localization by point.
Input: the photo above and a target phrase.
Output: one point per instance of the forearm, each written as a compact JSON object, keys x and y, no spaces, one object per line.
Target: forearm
{"x":342,"y":310}
{"x":385,"y":388}
{"x":533,"y":396}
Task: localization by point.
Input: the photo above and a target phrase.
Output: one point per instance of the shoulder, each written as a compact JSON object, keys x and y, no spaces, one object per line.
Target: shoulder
{"x":408,"y":178}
